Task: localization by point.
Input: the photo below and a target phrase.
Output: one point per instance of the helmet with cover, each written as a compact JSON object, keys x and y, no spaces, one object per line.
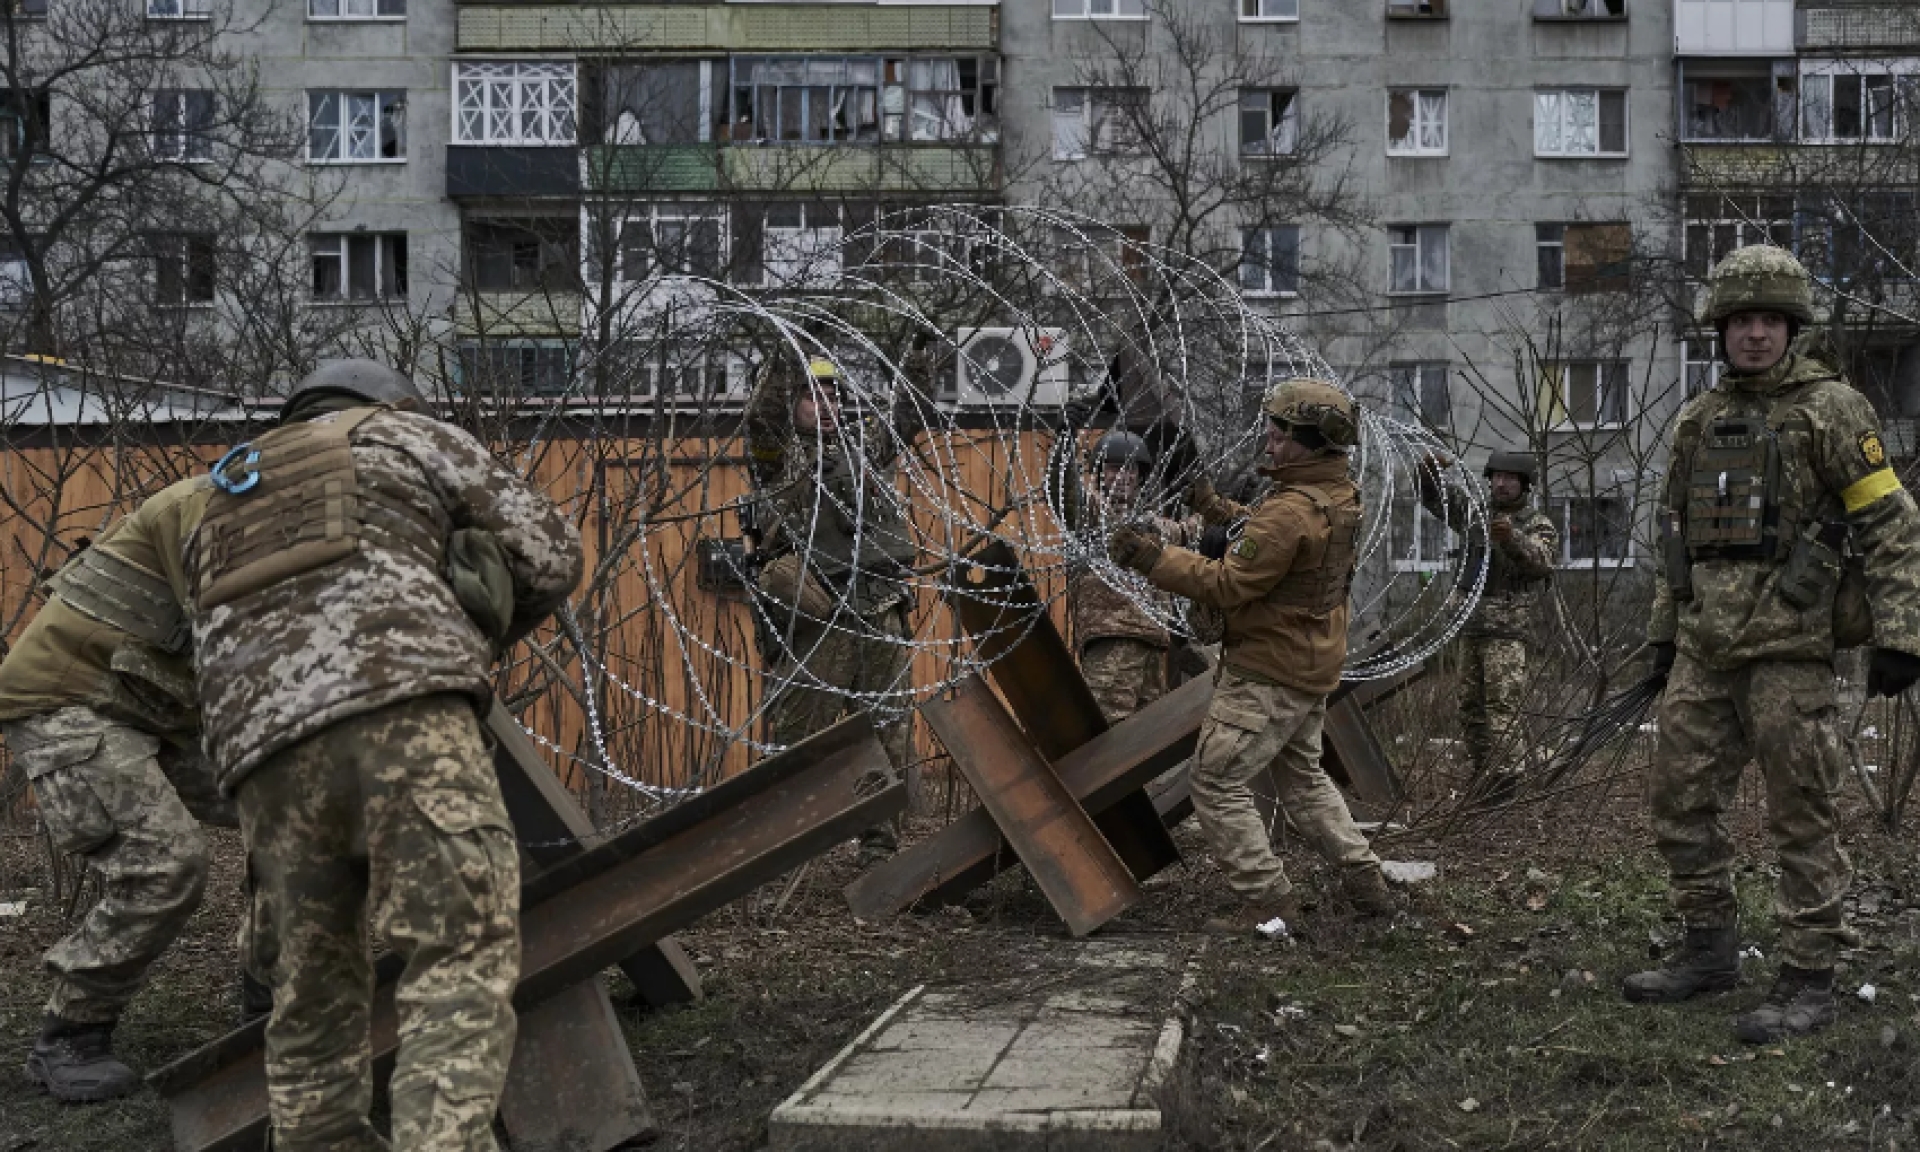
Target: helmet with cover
{"x":1759,"y":278}
{"x":1314,"y":412}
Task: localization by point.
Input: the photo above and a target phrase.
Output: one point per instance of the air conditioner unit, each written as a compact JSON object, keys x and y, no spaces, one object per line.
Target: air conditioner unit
{"x":1011,"y":368}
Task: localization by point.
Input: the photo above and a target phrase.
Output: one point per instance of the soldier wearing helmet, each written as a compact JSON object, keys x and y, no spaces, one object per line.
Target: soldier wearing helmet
{"x":1778,"y":489}
{"x":356,"y":572}
{"x":836,"y":553}
{"x":1283,"y":586}
{"x":1520,"y":546}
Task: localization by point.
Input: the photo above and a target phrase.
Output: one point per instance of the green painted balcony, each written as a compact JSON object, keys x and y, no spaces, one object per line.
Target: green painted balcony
{"x":970,"y":170}
{"x":622,"y":28}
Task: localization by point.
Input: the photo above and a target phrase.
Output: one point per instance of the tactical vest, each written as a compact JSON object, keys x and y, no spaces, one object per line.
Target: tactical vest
{"x":1503,"y":579}
{"x":117,"y":592}
{"x":309,"y":508}
{"x":1734,"y":509}
{"x":826,"y":526}
{"x":1325,"y":586}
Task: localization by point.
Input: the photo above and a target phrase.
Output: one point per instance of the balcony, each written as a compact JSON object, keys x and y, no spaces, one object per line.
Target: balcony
{"x":1737,"y":165}
{"x":484,"y":170}
{"x":627,"y":28}
{"x":968,"y":169}
{"x":1891,"y":26}
{"x":1733,"y":27}
{"x":518,"y":314}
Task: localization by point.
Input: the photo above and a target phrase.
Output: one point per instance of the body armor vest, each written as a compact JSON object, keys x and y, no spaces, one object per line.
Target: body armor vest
{"x":310,"y":508}
{"x":1733,"y":492}
{"x":1325,"y":586}
{"x":884,"y":545}
{"x":117,"y":592}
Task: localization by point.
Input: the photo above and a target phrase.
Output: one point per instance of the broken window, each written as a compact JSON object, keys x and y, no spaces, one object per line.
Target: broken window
{"x":1420,"y":393}
{"x":1731,"y":101}
{"x":946,"y":98}
{"x":1097,"y":121}
{"x":1419,"y":257}
{"x":1584,"y":394}
{"x":184,"y":266}
{"x":653,"y":103}
{"x":671,"y":239}
{"x":1269,"y":9}
{"x":23,"y":125}
{"x":1417,"y":122}
{"x":1269,"y":121}
{"x":183,"y":124}
{"x":1099,"y":9}
{"x":1848,"y":101}
{"x":1593,"y":257}
{"x":1270,"y":261}
{"x":1579,"y":122}
{"x":358,"y":265}
{"x":353,"y":127}
{"x":1579,"y":9}
{"x":1417,"y":9}
{"x":523,"y":255}
{"x":806,"y":99}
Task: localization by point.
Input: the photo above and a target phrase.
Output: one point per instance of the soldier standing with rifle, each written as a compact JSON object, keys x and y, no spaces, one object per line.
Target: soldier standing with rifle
{"x":1775,"y":475}
{"x":1284,"y":587}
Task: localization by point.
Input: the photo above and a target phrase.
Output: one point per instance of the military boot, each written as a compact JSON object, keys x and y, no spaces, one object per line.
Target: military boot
{"x":1709,"y":961}
{"x":877,"y":844}
{"x":256,"y":998}
{"x":1365,"y":887}
{"x":1801,"y":1003}
{"x":1248,"y":919}
{"x":75,"y":1062}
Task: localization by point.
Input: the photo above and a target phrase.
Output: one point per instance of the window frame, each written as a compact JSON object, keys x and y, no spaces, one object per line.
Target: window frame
{"x":539,"y":228}
{"x":1086,"y":10}
{"x":1560,"y":510}
{"x":1414,"y":122}
{"x":1779,"y":85}
{"x":803,"y":256}
{"x":186,"y":9}
{"x":1557,"y":375}
{"x":563,"y":73}
{"x":383,"y":268}
{"x":1256,"y":5}
{"x":187,"y":248}
{"x":343,"y":18}
{"x":729,"y":366}
{"x":1095,"y":111}
{"x":1417,"y":244}
{"x":1555,"y":12}
{"x":1761,"y":226}
{"x":1565,"y":96}
{"x":1411,"y":379}
{"x":1707,"y":370}
{"x":1422,"y":524}
{"x":383,"y":101}
{"x":1410,"y":10}
{"x":1903,"y":90}
{"x":567,"y":349}
{"x":1289,"y":120}
{"x":1271,"y":268}
{"x":688,"y":214}
{"x":1584,"y":234}
{"x":184,"y":135}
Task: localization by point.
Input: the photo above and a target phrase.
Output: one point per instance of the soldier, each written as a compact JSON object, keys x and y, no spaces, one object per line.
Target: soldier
{"x":1493,"y":645}
{"x":341,"y":673}
{"x":1283,"y":586}
{"x":1772,"y":472}
{"x":97,"y":701}
{"x":835,"y":553}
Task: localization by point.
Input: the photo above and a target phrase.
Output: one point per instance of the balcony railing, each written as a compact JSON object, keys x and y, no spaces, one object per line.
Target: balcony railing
{"x":971,"y":169}
{"x":601,"y":28}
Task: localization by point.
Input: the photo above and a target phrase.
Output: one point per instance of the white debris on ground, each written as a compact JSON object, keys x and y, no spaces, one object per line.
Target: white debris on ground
{"x":1273,"y":929}
{"x":9,"y":909}
{"x":1408,"y":871}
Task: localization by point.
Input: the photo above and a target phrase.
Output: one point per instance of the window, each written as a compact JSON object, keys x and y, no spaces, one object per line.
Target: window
{"x":794,"y":246}
{"x":1716,"y":225}
{"x":1269,"y":122}
{"x":1854,"y":101}
{"x":1420,"y":394}
{"x":1417,"y":9}
{"x":1088,"y":258}
{"x":1700,"y":364}
{"x":359,"y":265}
{"x":1584,"y":257}
{"x":513,"y":103}
{"x":1417,"y":122}
{"x":179,"y":9}
{"x":1733,"y":101}
{"x":1269,"y":9}
{"x":1584,"y":394}
{"x":931,"y":246}
{"x":700,"y":374}
{"x":356,"y":127}
{"x":31,"y":9}
{"x":182,"y":124}
{"x":16,"y":280}
{"x":1579,"y":9}
{"x":357,"y":9}
{"x":515,"y":367}
{"x":183,"y":268}
{"x":1097,"y":121}
{"x":806,"y":99}
{"x":23,"y":125}
{"x":1270,"y":261}
{"x":1421,"y":541}
{"x":1595,"y":531}
{"x":524,"y":255}
{"x":1099,"y":9}
{"x":947,"y":98}
{"x":671,"y":239}
{"x":1843,"y":237}
{"x":1579,"y":122}
{"x":1419,"y":257}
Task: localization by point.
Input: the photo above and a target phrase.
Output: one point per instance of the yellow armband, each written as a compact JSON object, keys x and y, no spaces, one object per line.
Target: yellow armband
{"x":1870,"y":488}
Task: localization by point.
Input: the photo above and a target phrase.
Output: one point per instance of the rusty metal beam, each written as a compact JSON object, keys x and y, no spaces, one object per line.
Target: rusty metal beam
{"x":572,"y":1086}
{"x":1081,"y":875}
{"x":590,"y":910}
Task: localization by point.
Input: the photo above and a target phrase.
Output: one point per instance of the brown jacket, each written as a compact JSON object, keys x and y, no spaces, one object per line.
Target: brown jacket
{"x":1286,"y":534}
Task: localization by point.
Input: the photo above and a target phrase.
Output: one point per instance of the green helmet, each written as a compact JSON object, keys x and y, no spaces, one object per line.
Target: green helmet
{"x":1519,"y":463}
{"x":1759,"y":278}
{"x":1122,"y":447}
{"x":1304,"y":402}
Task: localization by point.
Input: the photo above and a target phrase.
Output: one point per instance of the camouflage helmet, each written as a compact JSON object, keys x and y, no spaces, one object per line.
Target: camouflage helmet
{"x":1304,"y":402}
{"x":1521,"y":464}
{"x":1759,"y":278}
{"x":1122,"y":447}
{"x":369,"y":380}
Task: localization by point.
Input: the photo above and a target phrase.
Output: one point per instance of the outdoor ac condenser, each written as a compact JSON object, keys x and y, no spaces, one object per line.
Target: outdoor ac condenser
{"x":1011,"y":367}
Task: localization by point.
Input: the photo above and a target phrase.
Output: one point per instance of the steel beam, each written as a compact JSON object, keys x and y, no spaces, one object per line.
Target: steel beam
{"x":572,"y":1086}
{"x":1081,"y":875}
{"x":588,"y":911}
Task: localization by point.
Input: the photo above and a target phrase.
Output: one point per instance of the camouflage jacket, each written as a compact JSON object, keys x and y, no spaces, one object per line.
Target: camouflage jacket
{"x":379,"y":626}
{"x":1517,"y":571}
{"x":67,"y":657}
{"x":1098,"y":611}
{"x":1834,"y":471}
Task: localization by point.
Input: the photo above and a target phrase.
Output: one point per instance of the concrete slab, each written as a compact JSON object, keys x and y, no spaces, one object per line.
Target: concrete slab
{"x":988,"y":1066}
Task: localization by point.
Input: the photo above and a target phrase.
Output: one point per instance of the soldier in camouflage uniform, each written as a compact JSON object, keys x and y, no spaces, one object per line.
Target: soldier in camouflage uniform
{"x":835,"y":552}
{"x":97,"y":701}
{"x":1493,"y":645}
{"x":1284,"y":588}
{"x":1776,"y":475}
{"x":357,"y":571}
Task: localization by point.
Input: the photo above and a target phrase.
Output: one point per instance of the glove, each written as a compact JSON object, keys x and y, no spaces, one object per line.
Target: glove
{"x":1435,"y":462}
{"x":1663,"y":657}
{"x":482,"y":582}
{"x":1213,"y":542}
{"x":1501,"y":530}
{"x":1078,"y":413}
{"x":1891,"y":672}
{"x":1206,"y":503}
{"x":1129,"y":547}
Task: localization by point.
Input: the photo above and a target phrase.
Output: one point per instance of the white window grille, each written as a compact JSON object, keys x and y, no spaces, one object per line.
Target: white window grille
{"x":1419,"y":257}
{"x":182,"y":124}
{"x":1417,"y":122}
{"x":1700,"y":364}
{"x":356,"y":127}
{"x":1099,"y":9}
{"x":1270,"y":261}
{"x":356,"y":9}
{"x":1097,"y":121}
{"x":1269,"y":122}
{"x":1251,"y":10}
{"x":355,"y":266}
{"x":801,"y":246}
{"x":1579,"y":122}
{"x":514,"y":103}
{"x":672,"y":239}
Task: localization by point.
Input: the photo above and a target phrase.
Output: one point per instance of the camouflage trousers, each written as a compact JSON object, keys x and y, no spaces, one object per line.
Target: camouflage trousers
{"x":1253,"y":728}
{"x":103,"y":795}
{"x":1493,"y":679}
{"x":389,"y":824}
{"x":1782,"y":715}
{"x":821,"y":664}
{"x":1125,"y":674}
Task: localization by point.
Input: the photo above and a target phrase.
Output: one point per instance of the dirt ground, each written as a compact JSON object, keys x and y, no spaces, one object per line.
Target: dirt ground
{"x":1485,"y":1017}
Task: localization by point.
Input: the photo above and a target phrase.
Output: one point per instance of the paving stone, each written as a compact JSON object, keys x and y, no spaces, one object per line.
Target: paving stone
{"x":988,"y":1066}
